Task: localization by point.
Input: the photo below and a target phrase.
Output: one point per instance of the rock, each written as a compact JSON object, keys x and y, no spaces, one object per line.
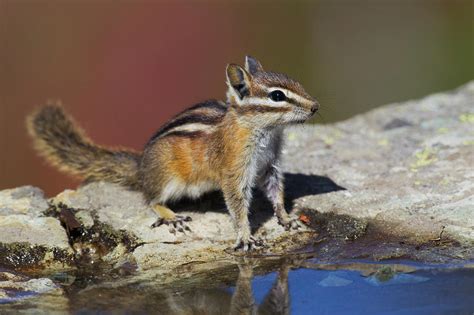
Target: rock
{"x":119,"y":210}
{"x":407,"y":167}
{"x":396,"y":279}
{"x":28,"y":238}
{"x":16,"y":288}
{"x":43,"y":296}
{"x":403,"y":170}
{"x":26,"y":200}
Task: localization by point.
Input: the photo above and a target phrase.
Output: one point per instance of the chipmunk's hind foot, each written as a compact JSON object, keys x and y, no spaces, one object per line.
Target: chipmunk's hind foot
{"x":249,"y":244}
{"x":176,"y":223}
{"x":291,"y":223}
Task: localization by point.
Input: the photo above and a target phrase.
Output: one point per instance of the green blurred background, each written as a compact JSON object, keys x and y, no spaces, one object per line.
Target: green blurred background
{"x":122,"y":68}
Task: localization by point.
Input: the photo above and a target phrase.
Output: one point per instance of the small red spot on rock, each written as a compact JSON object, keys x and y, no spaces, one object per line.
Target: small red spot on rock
{"x":305,"y":219}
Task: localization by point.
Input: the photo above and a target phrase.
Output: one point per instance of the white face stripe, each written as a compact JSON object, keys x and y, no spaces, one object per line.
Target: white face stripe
{"x":262,"y":101}
{"x":268,"y":102}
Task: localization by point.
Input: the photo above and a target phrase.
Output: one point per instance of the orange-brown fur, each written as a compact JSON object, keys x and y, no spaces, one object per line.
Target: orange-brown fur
{"x":231,"y":146}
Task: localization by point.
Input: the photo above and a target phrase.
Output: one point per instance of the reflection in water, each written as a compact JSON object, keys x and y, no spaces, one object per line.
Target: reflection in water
{"x":240,"y":301}
{"x":355,"y":287}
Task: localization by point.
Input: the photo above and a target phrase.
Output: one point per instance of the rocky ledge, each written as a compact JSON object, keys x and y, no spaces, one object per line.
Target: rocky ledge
{"x":402,"y":171}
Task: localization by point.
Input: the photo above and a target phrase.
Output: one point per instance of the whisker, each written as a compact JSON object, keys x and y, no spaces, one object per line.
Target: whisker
{"x":322,"y":118}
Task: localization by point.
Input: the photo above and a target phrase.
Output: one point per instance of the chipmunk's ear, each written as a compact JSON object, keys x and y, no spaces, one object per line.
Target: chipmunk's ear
{"x":238,"y":80}
{"x":252,"y":65}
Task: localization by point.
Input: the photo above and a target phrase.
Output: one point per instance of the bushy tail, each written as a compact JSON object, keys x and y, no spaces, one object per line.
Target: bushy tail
{"x":58,"y":139}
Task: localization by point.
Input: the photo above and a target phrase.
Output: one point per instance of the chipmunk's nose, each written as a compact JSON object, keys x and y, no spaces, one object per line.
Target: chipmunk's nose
{"x":315,"y":107}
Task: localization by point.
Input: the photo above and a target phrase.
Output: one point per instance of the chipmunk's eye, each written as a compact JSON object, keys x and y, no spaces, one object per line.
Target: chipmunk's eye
{"x":277,"y":96}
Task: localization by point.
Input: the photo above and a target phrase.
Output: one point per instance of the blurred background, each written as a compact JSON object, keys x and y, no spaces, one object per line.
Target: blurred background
{"x":122,"y":68}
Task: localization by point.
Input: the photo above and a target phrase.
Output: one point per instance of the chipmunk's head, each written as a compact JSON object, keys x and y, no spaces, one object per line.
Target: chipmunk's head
{"x":267,"y":98}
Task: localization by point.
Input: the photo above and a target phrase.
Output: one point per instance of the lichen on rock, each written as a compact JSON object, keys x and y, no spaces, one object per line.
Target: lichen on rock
{"x":28,"y":239}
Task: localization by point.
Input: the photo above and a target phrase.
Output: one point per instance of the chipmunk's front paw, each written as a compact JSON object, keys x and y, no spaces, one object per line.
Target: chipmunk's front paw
{"x":249,"y":244}
{"x":290,"y":223}
{"x":177,"y":224}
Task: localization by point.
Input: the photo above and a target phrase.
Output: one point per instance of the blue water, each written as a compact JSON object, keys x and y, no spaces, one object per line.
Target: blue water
{"x":426,"y":291}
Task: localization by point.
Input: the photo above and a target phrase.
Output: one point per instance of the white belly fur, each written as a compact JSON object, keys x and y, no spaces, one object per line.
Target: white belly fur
{"x":177,"y":189}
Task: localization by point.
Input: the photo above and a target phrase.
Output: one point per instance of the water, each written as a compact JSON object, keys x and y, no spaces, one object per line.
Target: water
{"x":290,"y":287}
{"x":425,"y":291}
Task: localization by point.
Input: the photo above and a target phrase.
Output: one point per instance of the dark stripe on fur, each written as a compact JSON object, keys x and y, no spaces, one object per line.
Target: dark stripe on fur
{"x":251,"y":109}
{"x":211,"y":104}
{"x":292,"y":101}
{"x":193,"y":118}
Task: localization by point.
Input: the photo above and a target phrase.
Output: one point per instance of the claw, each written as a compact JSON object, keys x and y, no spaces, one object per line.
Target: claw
{"x":158,"y":222}
{"x":249,"y":245}
{"x":178,"y":223}
{"x":291,"y":224}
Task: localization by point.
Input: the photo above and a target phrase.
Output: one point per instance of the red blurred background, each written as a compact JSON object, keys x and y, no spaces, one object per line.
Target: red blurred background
{"x":122,"y":68}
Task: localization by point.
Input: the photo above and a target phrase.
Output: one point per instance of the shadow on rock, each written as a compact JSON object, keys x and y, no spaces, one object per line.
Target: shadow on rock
{"x":300,"y":185}
{"x":296,"y":186}
{"x":261,"y":210}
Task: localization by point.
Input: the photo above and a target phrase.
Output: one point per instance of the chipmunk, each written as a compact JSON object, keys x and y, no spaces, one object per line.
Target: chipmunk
{"x":232,"y":146}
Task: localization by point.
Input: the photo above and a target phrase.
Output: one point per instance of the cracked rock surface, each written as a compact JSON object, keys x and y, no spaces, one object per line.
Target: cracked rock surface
{"x":27,"y":236}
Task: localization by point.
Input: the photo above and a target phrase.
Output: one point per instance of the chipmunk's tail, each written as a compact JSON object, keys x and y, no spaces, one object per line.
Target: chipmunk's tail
{"x":58,"y":139}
